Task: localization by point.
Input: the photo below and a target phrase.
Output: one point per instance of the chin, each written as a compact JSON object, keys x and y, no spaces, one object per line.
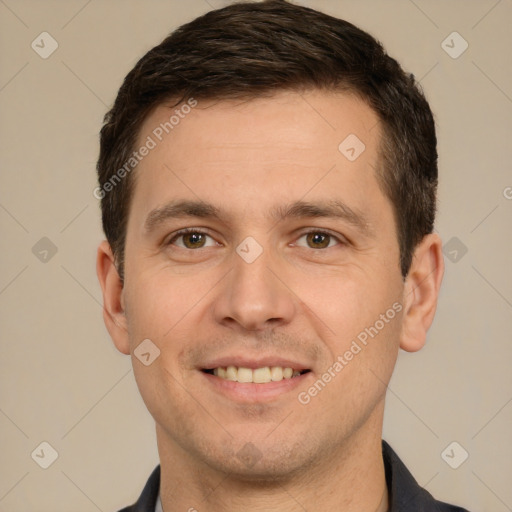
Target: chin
{"x":254,"y":463}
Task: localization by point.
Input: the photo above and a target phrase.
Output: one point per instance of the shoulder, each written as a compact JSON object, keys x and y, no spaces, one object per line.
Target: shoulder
{"x":405,"y":493}
{"x":148,"y":498}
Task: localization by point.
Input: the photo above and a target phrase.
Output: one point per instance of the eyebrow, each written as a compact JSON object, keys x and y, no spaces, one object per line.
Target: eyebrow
{"x":335,"y":209}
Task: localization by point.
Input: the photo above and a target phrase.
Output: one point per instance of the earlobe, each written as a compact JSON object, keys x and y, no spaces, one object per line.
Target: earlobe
{"x":421,"y":292}
{"x":113,"y":299}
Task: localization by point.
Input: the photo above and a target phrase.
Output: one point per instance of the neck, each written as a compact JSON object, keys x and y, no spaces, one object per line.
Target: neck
{"x":348,"y":477}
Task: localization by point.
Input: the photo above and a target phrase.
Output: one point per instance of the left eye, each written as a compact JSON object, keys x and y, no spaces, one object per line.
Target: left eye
{"x":194,"y":239}
{"x":319,"y":240}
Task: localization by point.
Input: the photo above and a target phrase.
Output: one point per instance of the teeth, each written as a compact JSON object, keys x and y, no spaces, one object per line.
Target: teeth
{"x":231,"y":373}
{"x":258,"y":375}
{"x":276,"y":373}
{"x":244,"y":375}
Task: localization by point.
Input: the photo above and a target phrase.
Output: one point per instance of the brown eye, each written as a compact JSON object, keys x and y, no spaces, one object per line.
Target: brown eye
{"x":193,"y":240}
{"x":317,"y":240}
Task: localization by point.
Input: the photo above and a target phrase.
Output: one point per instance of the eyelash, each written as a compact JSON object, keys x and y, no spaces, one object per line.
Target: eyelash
{"x":198,"y":231}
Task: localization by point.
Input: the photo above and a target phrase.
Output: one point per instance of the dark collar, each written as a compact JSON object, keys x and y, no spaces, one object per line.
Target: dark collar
{"x":405,"y":494}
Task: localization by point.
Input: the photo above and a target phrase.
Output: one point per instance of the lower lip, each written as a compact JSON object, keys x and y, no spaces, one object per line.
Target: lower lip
{"x":251,"y":392}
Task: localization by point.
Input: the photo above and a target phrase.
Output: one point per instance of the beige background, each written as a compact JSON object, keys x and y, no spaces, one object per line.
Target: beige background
{"x":63,"y":382}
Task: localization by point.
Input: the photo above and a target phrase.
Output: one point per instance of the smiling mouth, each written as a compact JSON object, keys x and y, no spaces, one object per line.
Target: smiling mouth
{"x":262,"y":375}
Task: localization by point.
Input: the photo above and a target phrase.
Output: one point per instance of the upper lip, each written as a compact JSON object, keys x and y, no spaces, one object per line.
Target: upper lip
{"x":253,"y":363}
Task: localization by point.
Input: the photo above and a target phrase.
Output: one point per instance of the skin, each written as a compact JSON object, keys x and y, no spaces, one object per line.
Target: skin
{"x":299,"y":300}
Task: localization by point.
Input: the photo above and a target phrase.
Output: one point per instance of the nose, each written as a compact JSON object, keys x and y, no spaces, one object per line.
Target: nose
{"x":254,"y":296}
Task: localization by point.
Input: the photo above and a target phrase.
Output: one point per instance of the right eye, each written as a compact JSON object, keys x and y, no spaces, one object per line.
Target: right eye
{"x":191,"y":238}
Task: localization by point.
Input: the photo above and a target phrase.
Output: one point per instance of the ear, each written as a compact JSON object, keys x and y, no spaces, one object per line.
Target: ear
{"x":113,"y":301}
{"x":421,"y":292}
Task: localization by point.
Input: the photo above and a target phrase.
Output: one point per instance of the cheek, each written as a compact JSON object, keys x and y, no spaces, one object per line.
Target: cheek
{"x":168,"y":400}
{"x":157,"y":302}
{"x":350,"y":302}
{"x":359,"y":320}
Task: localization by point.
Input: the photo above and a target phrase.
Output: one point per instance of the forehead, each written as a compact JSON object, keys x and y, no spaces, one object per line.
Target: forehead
{"x":249,"y":154}
{"x":300,"y":117}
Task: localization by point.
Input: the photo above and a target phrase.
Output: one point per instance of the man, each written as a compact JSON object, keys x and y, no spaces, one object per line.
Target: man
{"x":268,"y":181}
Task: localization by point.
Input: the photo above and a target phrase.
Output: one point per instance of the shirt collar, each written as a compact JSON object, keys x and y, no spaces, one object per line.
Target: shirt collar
{"x":404,"y":493}
{"x":158,"y":507}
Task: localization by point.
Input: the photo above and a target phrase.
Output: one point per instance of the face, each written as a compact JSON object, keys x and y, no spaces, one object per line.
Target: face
{"x":290,"y":259}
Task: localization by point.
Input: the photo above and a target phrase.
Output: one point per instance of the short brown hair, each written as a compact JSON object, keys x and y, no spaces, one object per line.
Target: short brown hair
{"x":246,"y":50}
